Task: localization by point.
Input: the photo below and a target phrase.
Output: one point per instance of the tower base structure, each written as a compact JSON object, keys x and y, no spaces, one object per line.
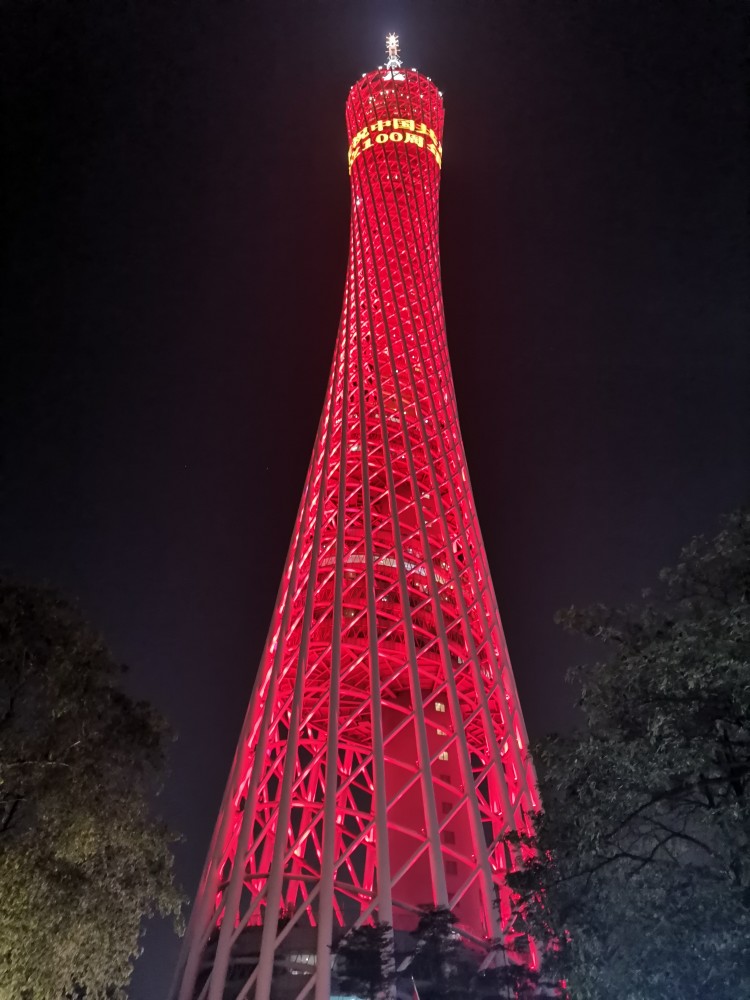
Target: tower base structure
{"x":295,"y":966}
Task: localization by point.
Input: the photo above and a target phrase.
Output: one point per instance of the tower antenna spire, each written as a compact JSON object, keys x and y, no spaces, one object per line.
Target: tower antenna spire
{"x":392,"y":51}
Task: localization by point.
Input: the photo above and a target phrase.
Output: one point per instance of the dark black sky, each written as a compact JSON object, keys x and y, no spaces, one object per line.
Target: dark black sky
{"x":175,"y":238}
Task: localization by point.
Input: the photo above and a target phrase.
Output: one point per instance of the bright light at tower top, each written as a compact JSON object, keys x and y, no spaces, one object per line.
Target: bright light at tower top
{"x":392,"y":51}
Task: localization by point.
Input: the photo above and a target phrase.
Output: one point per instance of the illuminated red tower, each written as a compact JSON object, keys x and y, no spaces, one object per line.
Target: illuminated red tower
{"x":383,"y":757}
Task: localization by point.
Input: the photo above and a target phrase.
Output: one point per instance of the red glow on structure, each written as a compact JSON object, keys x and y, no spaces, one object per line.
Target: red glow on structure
{"x":383,"y":758}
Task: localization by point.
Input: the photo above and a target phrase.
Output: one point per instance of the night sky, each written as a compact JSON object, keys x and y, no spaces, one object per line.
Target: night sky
{"x":174,"y":246}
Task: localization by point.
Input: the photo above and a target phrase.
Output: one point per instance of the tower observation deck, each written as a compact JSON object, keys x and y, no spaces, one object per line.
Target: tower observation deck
{"x":383,"y":757}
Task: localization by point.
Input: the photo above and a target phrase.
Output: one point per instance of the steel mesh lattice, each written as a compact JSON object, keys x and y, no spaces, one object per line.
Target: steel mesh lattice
{"x":383,"y":757}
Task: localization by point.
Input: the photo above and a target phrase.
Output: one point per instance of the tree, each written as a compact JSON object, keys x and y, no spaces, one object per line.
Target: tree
{"x":508,"y":974}
{"x":365,"y":964}
{"x":642,"y":874}
{"x":443,"y":967}
{"x":82,"y":860}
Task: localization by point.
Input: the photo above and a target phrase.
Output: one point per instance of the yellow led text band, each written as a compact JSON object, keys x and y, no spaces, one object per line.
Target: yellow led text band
{"x":404,"y":130}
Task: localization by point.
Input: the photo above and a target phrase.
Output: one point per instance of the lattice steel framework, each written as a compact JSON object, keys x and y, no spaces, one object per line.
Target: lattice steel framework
{"x":383,"y":757}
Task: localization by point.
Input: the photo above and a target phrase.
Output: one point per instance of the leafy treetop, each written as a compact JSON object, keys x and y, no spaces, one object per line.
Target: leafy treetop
{"x":365,"y":964}
{"x":642,"y":877}
{"x":82,"y":859}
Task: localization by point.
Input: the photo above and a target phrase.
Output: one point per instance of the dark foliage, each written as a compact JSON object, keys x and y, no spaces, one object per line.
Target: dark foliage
{"x":442,"y":966}
{"x":82,"y":859}
{"x":643,"y":872}
{"x":365,"y":963}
